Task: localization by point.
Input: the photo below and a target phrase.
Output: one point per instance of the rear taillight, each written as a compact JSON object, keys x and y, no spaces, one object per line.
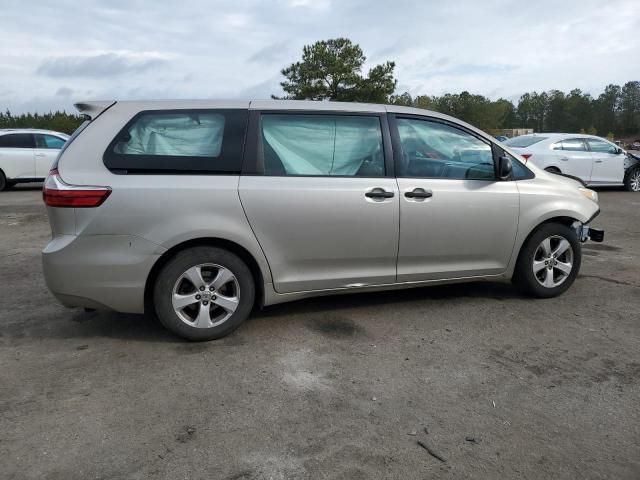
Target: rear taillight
{"x":526,"y":156}
{"x":57,"y":193}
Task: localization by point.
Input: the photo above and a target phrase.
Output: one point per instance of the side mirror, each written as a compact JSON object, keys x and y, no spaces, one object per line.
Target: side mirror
{"x":619,"y":151}
{"x":505,"y":168}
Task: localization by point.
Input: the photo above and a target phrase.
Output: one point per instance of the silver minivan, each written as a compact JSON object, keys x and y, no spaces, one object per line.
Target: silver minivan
{"x":203,"y":210}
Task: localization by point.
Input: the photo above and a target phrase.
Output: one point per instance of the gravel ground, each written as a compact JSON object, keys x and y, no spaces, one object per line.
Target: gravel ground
{"x":497,"y":385}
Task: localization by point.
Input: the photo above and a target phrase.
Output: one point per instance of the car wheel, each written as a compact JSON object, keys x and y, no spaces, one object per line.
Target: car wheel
{"x":3,"y":181}
{"x":632,"y":179}
{"x":549,"y":261}
{"x":204,"y":293}
{"x":552,"y":170}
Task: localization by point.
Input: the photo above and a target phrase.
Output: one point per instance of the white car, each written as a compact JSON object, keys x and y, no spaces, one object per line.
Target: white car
{"x":26,"y":155}
{"x":592,"y":159}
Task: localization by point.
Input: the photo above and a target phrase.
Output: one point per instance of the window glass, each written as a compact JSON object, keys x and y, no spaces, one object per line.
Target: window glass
{"x":601,"y":147}
{"x":180,"y":140}
{"x":322,"y":145}
{"x":524,"y":141}
{"x":175,"y":134}
{"x":17,"y":140}
{"x":436,"y":150}
{"x":520,"y":172}
{"x":556,"y":146}
{"x":49,"y":141}
{"x":574,"y":145}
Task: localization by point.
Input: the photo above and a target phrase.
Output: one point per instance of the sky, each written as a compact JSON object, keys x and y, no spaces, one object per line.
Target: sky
{"x":53,"y":54}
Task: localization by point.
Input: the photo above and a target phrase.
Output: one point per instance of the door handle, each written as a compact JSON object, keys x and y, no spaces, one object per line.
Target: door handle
{"x":39,"y":154}
{"x":379,"y":193}
{"x":419,"y":193}
{"x":598,"y":161}
{"x":564,"y":159}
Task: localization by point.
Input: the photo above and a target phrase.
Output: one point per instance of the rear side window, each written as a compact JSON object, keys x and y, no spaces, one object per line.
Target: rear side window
{"x":203,"y":141}
{"x":524,"y":141}
{"x":17,"y":140}
{"x":49,"y":141}
{"x":322,"y":145}
{"x":571,"y":145}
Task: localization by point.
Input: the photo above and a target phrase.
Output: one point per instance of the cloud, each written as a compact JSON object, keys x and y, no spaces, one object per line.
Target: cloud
{"x":270,"y":53}
{"x":105,"y":64}
{"x":64,"y":92}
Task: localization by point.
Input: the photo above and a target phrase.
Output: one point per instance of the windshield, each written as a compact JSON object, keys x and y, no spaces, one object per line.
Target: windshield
{"x":524,"y":141}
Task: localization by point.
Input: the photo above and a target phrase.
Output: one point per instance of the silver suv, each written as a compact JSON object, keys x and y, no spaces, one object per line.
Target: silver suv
{"x":203,"y":210}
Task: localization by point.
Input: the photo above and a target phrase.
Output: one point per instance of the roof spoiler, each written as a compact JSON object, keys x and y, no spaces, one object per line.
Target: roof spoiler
{"x":92,"y":109}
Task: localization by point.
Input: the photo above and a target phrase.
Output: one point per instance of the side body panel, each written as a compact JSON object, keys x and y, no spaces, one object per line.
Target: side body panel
{"x":322,"y":232}
{"x":608,"y":168}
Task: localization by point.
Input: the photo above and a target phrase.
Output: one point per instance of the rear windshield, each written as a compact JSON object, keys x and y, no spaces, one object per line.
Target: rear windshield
{"x":524,"y":141}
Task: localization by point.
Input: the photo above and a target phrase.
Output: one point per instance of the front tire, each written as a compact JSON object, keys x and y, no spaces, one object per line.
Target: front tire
{"x":204,"y":293}
{"x":549,"y":261}
{"x":632,"y":179}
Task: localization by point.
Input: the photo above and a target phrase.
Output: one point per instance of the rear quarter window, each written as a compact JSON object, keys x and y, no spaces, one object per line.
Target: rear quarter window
{"x":197,"y":141}
{"x":524,"y":141}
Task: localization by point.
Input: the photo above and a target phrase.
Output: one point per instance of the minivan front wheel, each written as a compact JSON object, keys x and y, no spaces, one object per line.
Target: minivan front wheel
{"x":204,"y":293}
{"x":549,"y":261}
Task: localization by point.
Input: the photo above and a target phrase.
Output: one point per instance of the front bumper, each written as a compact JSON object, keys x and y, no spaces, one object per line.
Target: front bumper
{"x":590,"y":233}
{"x":99,"y":271}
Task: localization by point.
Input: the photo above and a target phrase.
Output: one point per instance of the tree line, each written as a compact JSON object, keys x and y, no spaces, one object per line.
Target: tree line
{"x":332,"y":70}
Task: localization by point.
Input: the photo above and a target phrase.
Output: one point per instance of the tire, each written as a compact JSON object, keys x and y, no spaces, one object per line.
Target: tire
{"x":190,"y":278}
{"x":552,"y":170}
{"x":534,"y":250}
{"x":632,"y":179}
{"x":3,"y":181}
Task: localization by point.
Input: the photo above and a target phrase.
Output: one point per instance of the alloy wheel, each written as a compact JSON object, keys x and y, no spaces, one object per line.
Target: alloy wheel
{"x":635,"y":180}
{"x":206,"y":295}
{"x":553,"y":261}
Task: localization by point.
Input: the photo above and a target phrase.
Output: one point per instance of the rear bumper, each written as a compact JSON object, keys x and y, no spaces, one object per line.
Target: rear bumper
{"x":99,"y":271}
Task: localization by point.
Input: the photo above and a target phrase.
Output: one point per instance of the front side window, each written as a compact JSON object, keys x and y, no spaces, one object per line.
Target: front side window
{"x":574,"y":145}
{"x":322,"y":145}
{"x":432,"y":149}
{"x":180,"y":140}
{"x":49,"y":141}
{"x":17,"y":140}
{"x":599,"y":146}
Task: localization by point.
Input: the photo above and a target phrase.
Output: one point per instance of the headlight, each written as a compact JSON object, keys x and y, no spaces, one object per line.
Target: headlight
{"x":590,"y":194}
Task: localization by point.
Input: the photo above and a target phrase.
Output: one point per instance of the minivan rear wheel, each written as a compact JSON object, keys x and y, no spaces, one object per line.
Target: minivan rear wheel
{"x":204,"y":293}
{"x":549,"y":261}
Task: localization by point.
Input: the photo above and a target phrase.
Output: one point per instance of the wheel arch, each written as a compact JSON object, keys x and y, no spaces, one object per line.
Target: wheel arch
{"x":229,"y":245}
{"x":563,"y":219}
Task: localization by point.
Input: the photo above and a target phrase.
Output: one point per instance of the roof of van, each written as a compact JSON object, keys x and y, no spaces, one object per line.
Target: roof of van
{"x":94,"y":108}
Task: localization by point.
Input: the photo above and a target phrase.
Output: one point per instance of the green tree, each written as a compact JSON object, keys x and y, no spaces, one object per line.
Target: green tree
{"x":332,"y":70}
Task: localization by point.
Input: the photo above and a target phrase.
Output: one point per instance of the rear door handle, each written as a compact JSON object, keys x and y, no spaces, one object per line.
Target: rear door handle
{"x":379,"y":193}
{"x":598,"y":161}
{"x":419,"y":193}
{"x":564,"y":159}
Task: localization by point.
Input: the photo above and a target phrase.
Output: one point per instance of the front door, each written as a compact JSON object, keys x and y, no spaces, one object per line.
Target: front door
{"x":575,"y":159}
{"x":319,"y":199}
{"x":46,"y":151}
{"x":608,"y":164}
{"x":457,"y":219}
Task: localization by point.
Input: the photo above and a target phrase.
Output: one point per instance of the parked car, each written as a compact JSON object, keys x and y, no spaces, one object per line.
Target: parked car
{"x":592,"y":159}
{"x":26,"y":155}
{"x":203,"y":210}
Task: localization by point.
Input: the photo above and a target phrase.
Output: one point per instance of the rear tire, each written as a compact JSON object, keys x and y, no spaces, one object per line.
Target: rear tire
{"x":204,"y":293}
{"x":549,"y":261}
{"x":632,"y":179}
{"x":3,"y":181}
